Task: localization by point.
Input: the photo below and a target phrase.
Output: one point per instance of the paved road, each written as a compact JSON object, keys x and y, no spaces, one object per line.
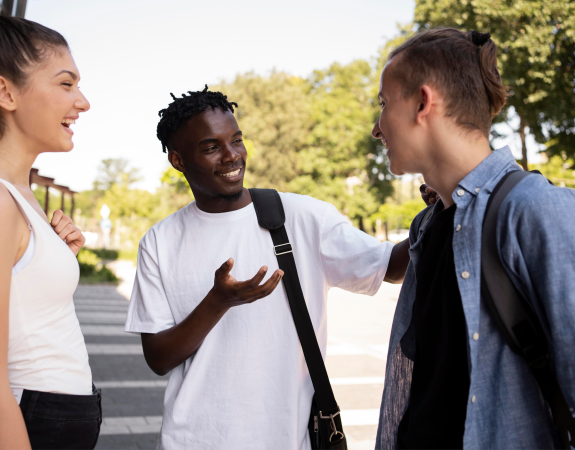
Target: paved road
{"x":359,"y":329}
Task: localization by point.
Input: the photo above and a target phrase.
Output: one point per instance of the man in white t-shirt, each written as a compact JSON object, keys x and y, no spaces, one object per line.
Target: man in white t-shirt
{"x":238,"y":377}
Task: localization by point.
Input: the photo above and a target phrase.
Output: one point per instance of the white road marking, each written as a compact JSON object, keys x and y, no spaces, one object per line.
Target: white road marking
{"x":103,"y":330}
{"x":152,"y":424}
{"x":132,"y":384}
{"x":355,"y":417}
{"x":351,"y":381}
{"x":135,"y":349}
{"x":114,"y":349}
{"x":356,"y":380}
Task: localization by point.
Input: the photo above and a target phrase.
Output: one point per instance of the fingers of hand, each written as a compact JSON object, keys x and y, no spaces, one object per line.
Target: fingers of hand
{"x":67,"y":231}
{"x":63,"y":222}
{"x":423,"y":188}
{"x":257,"y":279}
{"x":225,"y":269}
{"x":56,"y":217}
{"x":76,"y":237}
{"x":268,"y":287}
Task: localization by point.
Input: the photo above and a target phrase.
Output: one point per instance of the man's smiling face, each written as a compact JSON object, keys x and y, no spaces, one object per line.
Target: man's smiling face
{"x":210,"y":151}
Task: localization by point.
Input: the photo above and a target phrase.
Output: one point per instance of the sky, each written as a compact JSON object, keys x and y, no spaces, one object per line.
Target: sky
{"x":132,"y":54}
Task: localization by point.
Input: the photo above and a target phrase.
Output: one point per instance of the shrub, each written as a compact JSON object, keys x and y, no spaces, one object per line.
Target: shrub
{"x":92,"y":270}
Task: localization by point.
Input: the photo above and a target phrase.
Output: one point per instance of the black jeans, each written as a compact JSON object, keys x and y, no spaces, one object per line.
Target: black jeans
{"x":60,"y":421}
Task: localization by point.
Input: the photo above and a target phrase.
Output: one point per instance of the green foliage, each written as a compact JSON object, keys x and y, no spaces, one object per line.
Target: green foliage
{"x":398,"y":216}
{"x":314,"y":136}
{"x":92,"y":270}
{"x":536,"y":42}
{"x":105,"y":253}
{"x":559,"y":170}
{"x":115,"y":171}
{"x":274,"y":114}
{"x":175,"y":180}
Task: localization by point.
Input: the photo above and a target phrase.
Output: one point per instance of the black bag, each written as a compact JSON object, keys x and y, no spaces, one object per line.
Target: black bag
{"x":325,"y":428}
{"x":514,"y":316}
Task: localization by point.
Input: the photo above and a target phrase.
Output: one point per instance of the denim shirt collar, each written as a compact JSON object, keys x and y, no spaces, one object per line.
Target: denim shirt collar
{"x":488,"y":169}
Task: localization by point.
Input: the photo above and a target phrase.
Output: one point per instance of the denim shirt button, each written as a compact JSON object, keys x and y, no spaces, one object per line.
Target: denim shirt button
{"x":475,"y":336}
{"x":460,"y":192}
{"x":458,"y":228}
{"x":473,"y":399}
{"x":465,"y":275}
{"x":477,"y":190}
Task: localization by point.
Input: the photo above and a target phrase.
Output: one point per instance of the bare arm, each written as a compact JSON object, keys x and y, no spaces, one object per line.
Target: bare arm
{"x":400,"y":254}
{"x":397,"y":263}
{"x":13,"y":434}
{"x":169,"y":348}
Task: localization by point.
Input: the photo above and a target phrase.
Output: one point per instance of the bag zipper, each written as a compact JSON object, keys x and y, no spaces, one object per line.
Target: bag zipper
{"x":315,"y":424}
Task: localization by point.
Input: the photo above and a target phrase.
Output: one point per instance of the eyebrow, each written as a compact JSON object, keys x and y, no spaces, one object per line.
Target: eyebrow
{"x":207,"y":141}
{"x":69,"y":72}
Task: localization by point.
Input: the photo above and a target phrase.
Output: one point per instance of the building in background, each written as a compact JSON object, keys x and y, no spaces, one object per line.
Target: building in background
{"x":16,"y":8}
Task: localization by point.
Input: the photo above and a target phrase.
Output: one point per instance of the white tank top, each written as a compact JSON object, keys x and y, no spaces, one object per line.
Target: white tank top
{"x":46,"y":348}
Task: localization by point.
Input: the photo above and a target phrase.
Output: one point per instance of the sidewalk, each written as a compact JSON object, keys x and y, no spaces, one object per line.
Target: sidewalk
{"x":358,"y":328}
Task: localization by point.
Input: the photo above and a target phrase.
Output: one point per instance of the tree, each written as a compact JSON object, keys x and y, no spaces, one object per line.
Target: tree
{"x":535,"y":42}
{"x":339,"y":164}
{"x":273,"y":113}
{"x":115,"y":171}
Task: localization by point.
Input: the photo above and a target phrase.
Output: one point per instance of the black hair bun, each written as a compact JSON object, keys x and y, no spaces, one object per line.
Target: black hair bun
{"x":479,"y":38}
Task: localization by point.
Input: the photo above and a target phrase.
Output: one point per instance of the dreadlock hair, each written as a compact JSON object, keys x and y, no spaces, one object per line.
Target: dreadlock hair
{"x":182,"y":109}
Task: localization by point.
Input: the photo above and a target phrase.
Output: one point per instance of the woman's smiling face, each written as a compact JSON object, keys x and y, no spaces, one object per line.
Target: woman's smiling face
{"x":48,"y":104}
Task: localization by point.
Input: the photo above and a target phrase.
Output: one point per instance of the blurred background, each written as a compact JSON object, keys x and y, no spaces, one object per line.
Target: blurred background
{"x":305,"y":75}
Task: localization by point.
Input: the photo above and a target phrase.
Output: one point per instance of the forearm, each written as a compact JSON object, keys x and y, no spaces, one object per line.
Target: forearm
{"x":169,"y":348}
{"x":397,"y":263}
{"x":13,"y":434}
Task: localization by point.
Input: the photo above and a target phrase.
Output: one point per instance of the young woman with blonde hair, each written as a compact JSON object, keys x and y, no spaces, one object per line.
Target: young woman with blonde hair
{"x":47,"y":399}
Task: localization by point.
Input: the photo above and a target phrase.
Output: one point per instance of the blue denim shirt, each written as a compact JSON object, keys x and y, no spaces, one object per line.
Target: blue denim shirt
{"x":536,"y":239}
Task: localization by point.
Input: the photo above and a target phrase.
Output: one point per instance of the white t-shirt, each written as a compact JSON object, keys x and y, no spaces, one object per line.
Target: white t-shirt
{"x":247,"y":386}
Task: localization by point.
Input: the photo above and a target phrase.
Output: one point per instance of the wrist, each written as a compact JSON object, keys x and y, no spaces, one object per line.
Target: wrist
{"x":216,"y":303}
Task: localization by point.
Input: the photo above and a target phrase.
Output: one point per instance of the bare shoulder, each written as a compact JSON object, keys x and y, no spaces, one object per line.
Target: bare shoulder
{"x":12,"y":219}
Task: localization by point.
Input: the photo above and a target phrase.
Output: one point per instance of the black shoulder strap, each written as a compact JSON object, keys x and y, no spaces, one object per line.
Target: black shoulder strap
{"x":271,"y":216}
{"x":515,"y":318}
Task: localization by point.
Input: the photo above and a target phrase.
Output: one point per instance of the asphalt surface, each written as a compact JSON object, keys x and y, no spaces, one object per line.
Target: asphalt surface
{"x":358,"y":335}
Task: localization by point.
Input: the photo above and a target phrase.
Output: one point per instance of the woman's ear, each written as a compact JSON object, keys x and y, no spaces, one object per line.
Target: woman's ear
{"x":425,"y":100}
{"x":7,"y":100}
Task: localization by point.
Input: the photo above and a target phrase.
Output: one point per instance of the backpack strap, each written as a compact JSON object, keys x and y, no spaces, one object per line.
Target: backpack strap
{"x":514,"y":316}
{"x":271,"y":216}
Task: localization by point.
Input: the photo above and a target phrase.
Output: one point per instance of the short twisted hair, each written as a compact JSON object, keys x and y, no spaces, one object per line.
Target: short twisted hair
{"x":182,"y":109}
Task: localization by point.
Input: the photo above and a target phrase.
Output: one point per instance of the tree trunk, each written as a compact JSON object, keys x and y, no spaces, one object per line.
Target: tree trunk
{"x":522,"y":126}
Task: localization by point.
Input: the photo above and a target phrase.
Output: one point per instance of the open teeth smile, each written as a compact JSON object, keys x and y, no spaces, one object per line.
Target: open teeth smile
{"x":231,"y":174}
{"x":68,"y":122}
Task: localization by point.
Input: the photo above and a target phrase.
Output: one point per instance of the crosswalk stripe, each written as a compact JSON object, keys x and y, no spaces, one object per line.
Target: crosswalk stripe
{"x":152,"y":424}
{"x":136,"y":349}
{"x":103,"y":330}
{"x":350,"y":381}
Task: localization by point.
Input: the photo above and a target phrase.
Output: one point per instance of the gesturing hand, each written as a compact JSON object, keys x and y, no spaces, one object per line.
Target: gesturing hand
{"x":230,"y":292}
{"x":67,"y":231}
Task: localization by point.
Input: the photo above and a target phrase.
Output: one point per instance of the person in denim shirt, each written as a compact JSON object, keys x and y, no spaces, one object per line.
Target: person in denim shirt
{"x":439,"y":92}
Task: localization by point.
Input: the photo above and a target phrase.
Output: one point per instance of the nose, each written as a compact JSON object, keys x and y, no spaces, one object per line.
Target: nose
{"x":376,"y":132}
{"x":231,"y":155}
{"x":82,"y":103}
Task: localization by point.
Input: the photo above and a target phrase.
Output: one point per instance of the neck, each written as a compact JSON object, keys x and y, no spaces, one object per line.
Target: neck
{"x":451,"y":162}
{"x":215,"y":205}
{"x":15,"y":160}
